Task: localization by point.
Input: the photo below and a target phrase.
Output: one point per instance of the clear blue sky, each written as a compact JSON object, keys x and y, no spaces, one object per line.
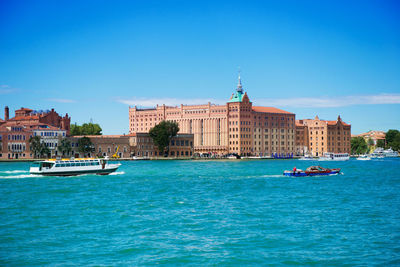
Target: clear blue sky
{"x":93,"y":59}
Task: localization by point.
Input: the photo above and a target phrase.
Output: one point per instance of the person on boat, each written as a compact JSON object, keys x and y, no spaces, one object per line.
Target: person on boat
{"x":294,"y":169}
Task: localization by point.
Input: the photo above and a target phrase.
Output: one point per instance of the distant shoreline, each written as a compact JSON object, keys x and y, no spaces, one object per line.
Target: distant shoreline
{"x":151,"y":159}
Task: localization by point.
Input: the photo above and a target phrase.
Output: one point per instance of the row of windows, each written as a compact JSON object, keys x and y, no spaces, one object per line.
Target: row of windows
{"x":171,"y":153}
{"x":16,"y":147}
{"x":16,"y":137}
{"x":47,"y":133}
{"x":16,"y":129}
{"x":77,"y":164}
{"x":50,"y":144}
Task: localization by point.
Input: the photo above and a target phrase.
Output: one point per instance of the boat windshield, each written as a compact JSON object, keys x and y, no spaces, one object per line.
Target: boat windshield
{"x":47,"y":165}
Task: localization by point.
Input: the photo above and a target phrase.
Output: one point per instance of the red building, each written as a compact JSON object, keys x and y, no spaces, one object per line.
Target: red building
{"x":15,"y":132}
{"x":26,"y":116}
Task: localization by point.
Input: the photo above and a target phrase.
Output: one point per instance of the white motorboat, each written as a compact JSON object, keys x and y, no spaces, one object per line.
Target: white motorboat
{"x":363,"y":157}
{"x":384,"y":153}
{"x":140,"y":158}
{"x":389,"y":153}
{"x":233,"y":156}
{"x":329,"y":156}
{"x":70,"y":167}
{"x":307,"y":157}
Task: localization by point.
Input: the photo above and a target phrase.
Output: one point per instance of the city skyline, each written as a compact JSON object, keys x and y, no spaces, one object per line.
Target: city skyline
{"x":94,"y":60}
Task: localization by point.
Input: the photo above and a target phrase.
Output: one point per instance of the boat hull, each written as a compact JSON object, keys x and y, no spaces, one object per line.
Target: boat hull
{"x":105,"y":171}
{"x":305,"y":173}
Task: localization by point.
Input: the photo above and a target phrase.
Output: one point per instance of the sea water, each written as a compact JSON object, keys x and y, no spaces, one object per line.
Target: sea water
{"x":238,"y":212}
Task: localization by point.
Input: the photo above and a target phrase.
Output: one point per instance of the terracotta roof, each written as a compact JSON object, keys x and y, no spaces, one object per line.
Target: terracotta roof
{"x":43,"y":127}
{"x":372,"y":134}
{"x":270,"y":110}
{"x":27,"y":109}
{"x":335,"y":122}
{"x":299,"y":124}
{"x":25,"y":118}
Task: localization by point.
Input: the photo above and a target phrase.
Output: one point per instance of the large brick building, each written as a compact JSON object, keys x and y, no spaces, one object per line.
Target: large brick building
{"x":317,"y":136}
{"x":236,"y":127}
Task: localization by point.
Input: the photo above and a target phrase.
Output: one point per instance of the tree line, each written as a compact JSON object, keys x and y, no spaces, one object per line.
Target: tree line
{"x":360,"y":146}
{"x":85,"y":129}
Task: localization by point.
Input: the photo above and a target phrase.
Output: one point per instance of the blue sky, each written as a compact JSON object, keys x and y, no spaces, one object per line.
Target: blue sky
{"x":92,"y":59}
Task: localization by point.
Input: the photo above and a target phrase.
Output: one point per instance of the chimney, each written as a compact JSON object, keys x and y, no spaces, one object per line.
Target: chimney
{"x":6,"y":113}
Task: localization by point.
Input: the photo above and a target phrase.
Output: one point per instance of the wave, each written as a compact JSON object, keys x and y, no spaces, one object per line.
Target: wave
{"x":272,"y":176}
{"x":117,"y":173}
{"x":15,"y":171}
{"x":20,"y":176}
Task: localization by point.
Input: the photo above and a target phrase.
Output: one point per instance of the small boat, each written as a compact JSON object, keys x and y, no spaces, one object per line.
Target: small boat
{"x":71,"y":167}
{"x":140,"y":158}
{"x":328,"y":156}
{"x":233,"y":156}
{"x":307,"y":157}
{"x":364,"y":157}
{"x":311,"y":171}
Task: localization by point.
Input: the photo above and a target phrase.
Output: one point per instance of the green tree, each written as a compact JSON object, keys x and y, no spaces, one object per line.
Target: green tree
{"x":162,"y":134}
{"x":380,"y":143}
{"x":35,"y":146}
{"x":64,"y":146}
{"x":38,"y":148}
{"x":390,"y":135}
{"x":85,"y":145}
{"x":75,"y":130}
{"x":370,"y":142}
{"x":358,"y":145}
{"x":85,"y":129}
{"x":395,"y":142}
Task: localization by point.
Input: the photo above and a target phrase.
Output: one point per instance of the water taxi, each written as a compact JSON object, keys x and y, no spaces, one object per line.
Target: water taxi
{"x":311,"y":171}
{"x":70,"y":167}
{"x":328,"y":156}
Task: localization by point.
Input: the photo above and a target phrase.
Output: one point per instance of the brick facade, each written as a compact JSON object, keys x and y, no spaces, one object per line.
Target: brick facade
{"x":237,"y":127}
{"x":320,"y":136}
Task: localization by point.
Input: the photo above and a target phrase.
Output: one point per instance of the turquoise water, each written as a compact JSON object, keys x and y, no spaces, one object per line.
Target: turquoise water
{"x":202,"y":213}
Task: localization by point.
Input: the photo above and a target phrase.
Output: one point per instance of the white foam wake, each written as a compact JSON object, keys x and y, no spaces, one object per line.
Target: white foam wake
{"x":20,"y":176}
{"x":117,"y":173}
{"x":15,"y":171}
{"x":272,"y":175}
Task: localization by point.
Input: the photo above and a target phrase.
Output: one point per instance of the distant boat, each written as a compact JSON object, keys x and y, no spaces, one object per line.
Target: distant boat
{"x":363,"y":157}
{"x":328,"y":156}
{"x":70,"y":167}
{"x":233,"y":156}
{"x":140,"y":158}
{"x":307,"y":157}
{"x":387,"y":153}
